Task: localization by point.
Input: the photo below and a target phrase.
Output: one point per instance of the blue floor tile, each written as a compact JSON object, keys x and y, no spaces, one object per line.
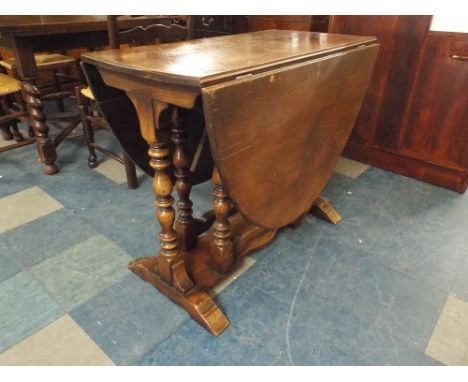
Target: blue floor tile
{"x":9,"y":266}
{"x":391,"y":300}
{"x":418,"y":255}
{"x":21,"y":163}
{"x":84,"y":190}
{"x":132,"y":226}
{"x":429,"y":361}
{"x":277,"y":271}
{"x":11,"y":182}
{"x":42,"y":238}
{"x":354,"y":228}
{"x":25,"y":308}
{"x":352,"y":280}
{"x":256,"y":335}
{"x":191,"y":345}
{"x":128,"y":319}
{"x":82,"y":271}
{"x":332,"y":264}
{"x":321,"y":333}
{"x":337,"y":187}
{"x":257,"y":315}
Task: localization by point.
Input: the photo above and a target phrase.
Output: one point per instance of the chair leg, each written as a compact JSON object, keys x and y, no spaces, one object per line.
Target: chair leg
{"x":130,"y":171}
{"x":16,"y":133}
{"x":19,"y":99}
{"x":58,"y":89}
{"x":81,"y":76}
{"x":6,"y":133}
{"x":89,"y":137}
{"x":7,"y":103}
{"x":83,"y":107}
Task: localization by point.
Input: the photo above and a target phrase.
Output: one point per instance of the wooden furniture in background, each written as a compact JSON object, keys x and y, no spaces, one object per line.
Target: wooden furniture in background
{"x":58,"y":65}
{"x":414,"y":119}
{"x":25,"y":35}
{"x":12,"y":111}
{"x":279,"y":107}
{"x":211,"y":26}
{"x":265,"y":22}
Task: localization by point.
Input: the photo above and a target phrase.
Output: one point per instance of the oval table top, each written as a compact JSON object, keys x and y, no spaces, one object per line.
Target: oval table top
{"x":207,"y":61}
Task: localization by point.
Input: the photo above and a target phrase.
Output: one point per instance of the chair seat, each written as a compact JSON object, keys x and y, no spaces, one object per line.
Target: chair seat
{"x":8,"y":85}
{"x":44,"y":61}
{"x":87,"y":93}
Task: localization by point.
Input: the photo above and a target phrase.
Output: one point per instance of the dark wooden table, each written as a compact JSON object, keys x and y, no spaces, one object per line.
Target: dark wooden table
{"x":279,"y":107}
{"x":25,"y":35}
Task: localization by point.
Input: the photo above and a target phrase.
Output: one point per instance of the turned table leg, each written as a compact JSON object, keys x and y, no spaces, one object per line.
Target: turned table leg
{"x":222,"y":248}
{"x":169,"y":271}
{"x":185,"y":225}
{"x":171,"y":267}
{"x":45,"y":146}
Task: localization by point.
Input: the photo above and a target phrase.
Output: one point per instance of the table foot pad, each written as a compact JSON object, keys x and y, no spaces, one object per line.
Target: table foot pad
{"x":198,"y":304}
{"x":196,"y":301}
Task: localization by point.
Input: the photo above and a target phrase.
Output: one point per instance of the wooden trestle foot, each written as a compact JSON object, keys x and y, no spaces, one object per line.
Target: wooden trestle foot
{"x":324,"y":210}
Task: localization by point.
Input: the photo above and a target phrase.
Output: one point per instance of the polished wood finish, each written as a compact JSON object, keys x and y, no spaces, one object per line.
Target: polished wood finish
{"x":38,"y":119}
{"x":25,"y":35}
{"x":324,"y":210}
{"x":239,"y":127}
{"x":438,"y":174}
{"x":208,"y":61}
{"x":400,"y":38}
{"x":297,"y":22}
{"x":436,"y":122}
{"x":222,"y":246}
{"x":121,"y":116}
{"x":197,"y":303}
{"x":171,"y":268}
{"x":185,"y":226}
{"x":199,"y":263}
{"x":413,"y":119}
{"x":289,"y":158}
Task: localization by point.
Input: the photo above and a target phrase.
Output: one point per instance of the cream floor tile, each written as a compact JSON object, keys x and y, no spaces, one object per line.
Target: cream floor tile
{"x":449,"y":341}
{"x":246,"y":264}
{"x":350,"y":167}
{"x":63,"y":342}
{"x":114,"y":171}
{"x":25,"y":206}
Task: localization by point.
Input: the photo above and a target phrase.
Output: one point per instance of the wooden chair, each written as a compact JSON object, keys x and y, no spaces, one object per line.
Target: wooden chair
{"x":12,"y":111}
{"x":164,"y":31}
{"x":58,"y":65}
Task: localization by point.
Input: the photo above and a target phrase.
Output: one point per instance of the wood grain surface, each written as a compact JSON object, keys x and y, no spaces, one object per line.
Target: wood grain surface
{"x":207,"y":61}
{"x":276,"y":137}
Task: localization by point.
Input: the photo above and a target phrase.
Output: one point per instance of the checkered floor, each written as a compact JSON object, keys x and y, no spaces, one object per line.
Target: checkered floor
{"x":387,"y":286}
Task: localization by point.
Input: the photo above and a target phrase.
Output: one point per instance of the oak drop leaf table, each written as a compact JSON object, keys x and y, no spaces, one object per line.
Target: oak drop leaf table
{"x":278,"y":108}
